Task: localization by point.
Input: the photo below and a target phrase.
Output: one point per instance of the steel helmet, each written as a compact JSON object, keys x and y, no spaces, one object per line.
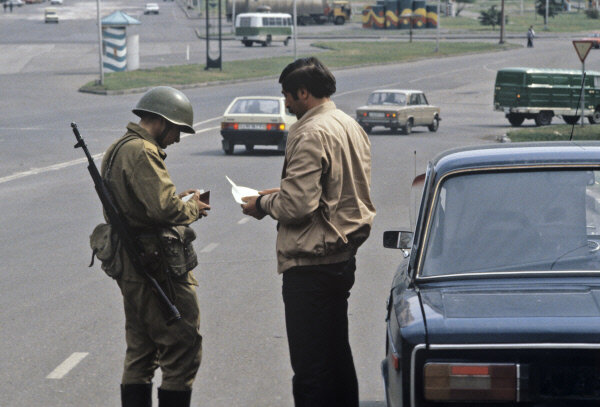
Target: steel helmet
{"x":169,"y":103}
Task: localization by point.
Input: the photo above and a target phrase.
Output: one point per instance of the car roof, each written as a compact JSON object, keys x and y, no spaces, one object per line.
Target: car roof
{"x":259,"y":97}
{"x":553,"y":153}
{"x":398,"y":91}
{"x":547,"y":71}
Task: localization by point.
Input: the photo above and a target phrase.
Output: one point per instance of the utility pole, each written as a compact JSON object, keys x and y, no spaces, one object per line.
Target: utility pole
{"x":502,"y":22}
{"x":100,"y":42}
{"x":546,"y":17}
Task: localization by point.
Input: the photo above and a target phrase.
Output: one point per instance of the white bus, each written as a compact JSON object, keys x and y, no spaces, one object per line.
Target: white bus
{"x":263,"y":28}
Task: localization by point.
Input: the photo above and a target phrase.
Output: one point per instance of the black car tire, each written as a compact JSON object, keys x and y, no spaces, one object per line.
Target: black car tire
{"x":595,"y":118}
{"x":571,"y":119}
{"x":407,"y":128}
{"x":267,"y":42}
{"x":544,"y":118}
{"x":435,"y":124}
{"x":249,"y":147}
{"x":339,"y":20}
{"x":247,"y":43}
{"x":515,"y":120}
{"x":229,"y":149}
{"x":286,"y":42}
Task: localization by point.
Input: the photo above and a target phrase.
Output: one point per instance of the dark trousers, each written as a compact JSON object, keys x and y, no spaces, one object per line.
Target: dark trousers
{"x":316,"y":316}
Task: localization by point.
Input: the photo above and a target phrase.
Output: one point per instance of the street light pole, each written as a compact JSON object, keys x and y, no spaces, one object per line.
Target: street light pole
{"x":546,"y":17}
{"x":100,"y":41}
{"x":437,"y":29}
{"x":295,"y":18}
{"x":502,"y":22}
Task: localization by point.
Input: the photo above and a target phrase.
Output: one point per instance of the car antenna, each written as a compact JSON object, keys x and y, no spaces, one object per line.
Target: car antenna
{"x":576,"y":108}
{"x":415,"y":163}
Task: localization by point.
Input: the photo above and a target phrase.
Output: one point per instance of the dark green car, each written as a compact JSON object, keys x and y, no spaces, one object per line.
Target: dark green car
{"x":541,"y":94}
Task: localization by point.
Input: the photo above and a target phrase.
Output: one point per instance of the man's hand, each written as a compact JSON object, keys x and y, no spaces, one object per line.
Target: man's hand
{"x":250,"y":209}
{"x":202,"y":207}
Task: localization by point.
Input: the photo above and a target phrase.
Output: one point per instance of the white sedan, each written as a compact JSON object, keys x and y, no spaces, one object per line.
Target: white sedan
{"x":256,"y":120}
{"x":151,"y":8}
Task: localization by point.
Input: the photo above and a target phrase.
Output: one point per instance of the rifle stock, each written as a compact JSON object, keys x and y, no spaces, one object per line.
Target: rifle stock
{"x":118,"y":222}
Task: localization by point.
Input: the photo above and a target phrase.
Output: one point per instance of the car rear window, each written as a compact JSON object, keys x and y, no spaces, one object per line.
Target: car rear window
{"x":515,"y":221}
{"x":255,"y":106}
{"x":387,"y":98}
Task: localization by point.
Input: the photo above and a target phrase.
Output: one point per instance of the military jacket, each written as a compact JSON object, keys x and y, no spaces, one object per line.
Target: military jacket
{"x":144,"y":192}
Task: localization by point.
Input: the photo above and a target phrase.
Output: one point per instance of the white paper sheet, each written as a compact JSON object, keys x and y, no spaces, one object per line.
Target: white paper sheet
{"x":238,"y":192}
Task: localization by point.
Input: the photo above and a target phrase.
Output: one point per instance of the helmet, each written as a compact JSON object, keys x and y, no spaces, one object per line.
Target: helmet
{"x":169,"y":103}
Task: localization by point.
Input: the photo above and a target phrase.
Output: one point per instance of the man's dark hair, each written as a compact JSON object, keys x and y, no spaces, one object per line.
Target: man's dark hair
{"x":310,"y":74}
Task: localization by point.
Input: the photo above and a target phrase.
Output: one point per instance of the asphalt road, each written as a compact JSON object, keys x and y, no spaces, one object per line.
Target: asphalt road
{"x":61,"y":324}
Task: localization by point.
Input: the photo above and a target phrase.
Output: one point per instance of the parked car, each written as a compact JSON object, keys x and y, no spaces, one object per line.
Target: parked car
{"x":15,"y":3}
{"x":256,"y":120}
{"x":496,"y":296}
{"x":151,"y":8}
{"x":50,"y":15}
{"x":56,"y":2}
{"x":394,"y":109}
{"x":594,"y":38}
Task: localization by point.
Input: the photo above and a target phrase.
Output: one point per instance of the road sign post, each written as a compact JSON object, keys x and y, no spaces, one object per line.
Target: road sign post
{"x":582,"y":48}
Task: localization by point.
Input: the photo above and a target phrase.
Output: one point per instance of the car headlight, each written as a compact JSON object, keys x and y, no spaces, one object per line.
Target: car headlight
{"x":470,"y":382}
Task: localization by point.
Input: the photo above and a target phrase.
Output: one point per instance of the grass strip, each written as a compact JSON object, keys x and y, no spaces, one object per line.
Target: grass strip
{"x":333,"y":54}
{"x":559,"y":132}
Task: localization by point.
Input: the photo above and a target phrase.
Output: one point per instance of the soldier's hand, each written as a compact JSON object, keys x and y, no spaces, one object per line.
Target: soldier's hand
{"x":187,"y":192}
{"x":202,"y":207}
{"x":250,"y":208}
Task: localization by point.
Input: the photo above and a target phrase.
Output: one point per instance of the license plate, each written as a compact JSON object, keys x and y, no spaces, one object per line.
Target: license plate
{"x":252,"y":126}
{"x":376,"y":114}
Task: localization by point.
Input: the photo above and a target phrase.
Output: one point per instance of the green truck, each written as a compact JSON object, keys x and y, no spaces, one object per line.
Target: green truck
{"x":541,"y":94}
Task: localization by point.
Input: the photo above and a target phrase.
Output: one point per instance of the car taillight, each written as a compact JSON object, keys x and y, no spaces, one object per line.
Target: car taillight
{"x":470,"y":382}
{"x":364,"y":114}
{"x":232,"y":126}
{"x":276,"y":126}
{"x":392,"y":115}
{"x":518,"y":96}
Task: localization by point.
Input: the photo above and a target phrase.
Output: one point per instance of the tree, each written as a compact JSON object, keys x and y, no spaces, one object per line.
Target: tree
{"x":461,"y":4}
{"x":491,"y":17}
{"x":554,"y":7}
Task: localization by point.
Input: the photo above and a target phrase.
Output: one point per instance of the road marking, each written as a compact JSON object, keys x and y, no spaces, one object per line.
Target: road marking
{"x":199,"y":131}
{"x":66,"y":366}
{"x":208,"y":120}
{"x":35,"y":171}
{"x":243,"y":220}
{"x":209,"y":248}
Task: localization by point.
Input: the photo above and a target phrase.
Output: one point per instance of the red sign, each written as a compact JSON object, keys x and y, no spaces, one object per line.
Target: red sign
{"x":582,"y":47}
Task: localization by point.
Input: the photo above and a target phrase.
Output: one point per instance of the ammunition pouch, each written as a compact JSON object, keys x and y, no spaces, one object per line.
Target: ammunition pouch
{"x":106,"y":246}
{"x":171,"y":246}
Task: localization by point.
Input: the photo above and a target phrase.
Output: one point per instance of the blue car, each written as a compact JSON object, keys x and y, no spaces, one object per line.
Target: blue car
{"x":497,"y":297}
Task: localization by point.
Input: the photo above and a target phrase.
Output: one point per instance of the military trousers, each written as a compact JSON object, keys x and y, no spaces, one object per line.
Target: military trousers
{"x":316,"y":316}
{"x":176,"y":349}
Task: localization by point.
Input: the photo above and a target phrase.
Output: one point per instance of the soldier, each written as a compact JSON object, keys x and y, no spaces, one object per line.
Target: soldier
{"x":324,"y":213}
{"x":135,"y":172}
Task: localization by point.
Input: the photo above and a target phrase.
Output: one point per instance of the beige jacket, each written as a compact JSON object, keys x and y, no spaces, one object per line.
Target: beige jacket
{"x":324,"y":205}
{"x":143,"y":190}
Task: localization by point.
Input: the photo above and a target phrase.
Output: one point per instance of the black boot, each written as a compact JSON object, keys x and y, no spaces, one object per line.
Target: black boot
{"x":171,"y":398}
{"x":136,"y":395}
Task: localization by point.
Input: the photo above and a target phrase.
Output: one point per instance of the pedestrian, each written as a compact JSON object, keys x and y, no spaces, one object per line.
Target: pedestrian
{"x":530,"y":35}
{"x":134,"y":170}
{"x":5,"y":6}
{"x":324,"y":212}
{"x":10,"y":6}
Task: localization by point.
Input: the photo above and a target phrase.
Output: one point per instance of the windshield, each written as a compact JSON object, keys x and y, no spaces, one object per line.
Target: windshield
{"x":515,"y":221}
{"x":387,"y":98}
{"x":255,"y":106}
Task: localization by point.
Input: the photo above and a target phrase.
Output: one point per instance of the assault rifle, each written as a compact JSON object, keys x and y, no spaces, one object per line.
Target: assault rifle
{"x":118,"y":222}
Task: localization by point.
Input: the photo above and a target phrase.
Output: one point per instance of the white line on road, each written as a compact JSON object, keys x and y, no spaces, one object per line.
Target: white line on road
{"x":66,"y":366}
{"x":208,"y":120}
{"x":35,"y":171}
{"x":209,"y":248}
{"x":243,"y":220}
{"x":54,"y":167}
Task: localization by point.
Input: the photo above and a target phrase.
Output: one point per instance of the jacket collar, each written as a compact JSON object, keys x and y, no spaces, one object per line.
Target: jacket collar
{"x":322,"y":108}
{"x":140,"y":131}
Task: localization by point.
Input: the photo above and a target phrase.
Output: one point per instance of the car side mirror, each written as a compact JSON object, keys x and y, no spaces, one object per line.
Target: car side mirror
{"x":395,"y":239}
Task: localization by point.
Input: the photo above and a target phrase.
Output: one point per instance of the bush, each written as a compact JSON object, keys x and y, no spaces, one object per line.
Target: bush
{"x":492,"y":17}
{"x":592,"y":13}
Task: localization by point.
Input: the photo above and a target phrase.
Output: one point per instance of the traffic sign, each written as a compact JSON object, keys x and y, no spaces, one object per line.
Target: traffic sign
{"x":582,"y":47}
